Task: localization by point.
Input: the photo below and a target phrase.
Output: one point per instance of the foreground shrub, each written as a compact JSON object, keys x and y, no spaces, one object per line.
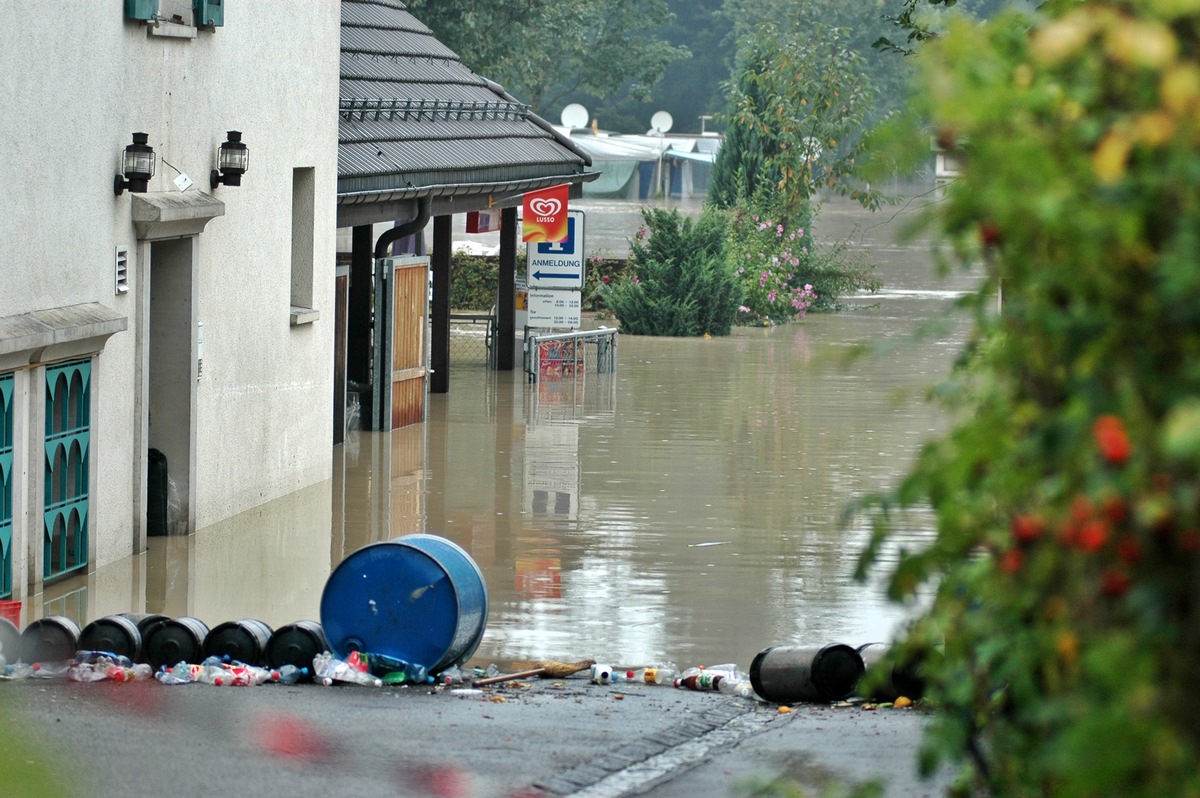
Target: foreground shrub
{"x":1066,"y":564}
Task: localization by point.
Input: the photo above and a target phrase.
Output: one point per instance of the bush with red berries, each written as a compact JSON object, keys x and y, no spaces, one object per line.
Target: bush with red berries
{"x":1065,"y":569}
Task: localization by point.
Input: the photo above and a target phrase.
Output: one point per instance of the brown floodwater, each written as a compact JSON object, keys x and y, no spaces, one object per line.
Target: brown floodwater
{"x":688,"y":506}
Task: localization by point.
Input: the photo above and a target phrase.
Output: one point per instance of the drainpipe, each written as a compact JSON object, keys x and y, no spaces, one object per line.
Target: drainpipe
{"x":408,"y":228}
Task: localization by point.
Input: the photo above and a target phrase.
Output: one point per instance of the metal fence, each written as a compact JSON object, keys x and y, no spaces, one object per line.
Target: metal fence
{"x":570,"y":354}
{"x":471,"y":339}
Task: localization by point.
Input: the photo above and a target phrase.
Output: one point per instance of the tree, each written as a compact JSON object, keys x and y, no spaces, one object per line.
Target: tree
{"x":542,"y":50}
{"x":798,"y":107}
{"x":1064,"y":574}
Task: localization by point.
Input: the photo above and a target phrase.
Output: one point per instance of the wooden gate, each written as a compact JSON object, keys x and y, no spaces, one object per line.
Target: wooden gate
{"x":401,"y":338}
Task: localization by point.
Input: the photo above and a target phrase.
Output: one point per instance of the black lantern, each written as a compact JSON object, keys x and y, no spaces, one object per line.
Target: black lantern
{"x":137,"y":166}
{"x":233,"y":159}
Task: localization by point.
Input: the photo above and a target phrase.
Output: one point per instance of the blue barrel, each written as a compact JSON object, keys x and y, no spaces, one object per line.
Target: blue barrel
{"x":418,"y":598}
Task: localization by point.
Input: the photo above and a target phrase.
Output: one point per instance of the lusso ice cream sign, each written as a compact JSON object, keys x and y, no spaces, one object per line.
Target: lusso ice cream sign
{"x":544,"y":215}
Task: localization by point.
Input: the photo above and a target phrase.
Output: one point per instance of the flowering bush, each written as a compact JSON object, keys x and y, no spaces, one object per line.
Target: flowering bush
{"x":1065,"y":568}
{"x":765,"y":263}
{"x":599,"y":274}
{"x":783,"y":274}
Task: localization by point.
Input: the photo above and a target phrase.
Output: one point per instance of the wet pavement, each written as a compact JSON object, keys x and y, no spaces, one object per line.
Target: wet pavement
{"x":547,"y":738}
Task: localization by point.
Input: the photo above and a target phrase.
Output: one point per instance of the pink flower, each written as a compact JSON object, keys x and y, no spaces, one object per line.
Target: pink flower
{"x":771,"y":296}
{"x":762,"y":227}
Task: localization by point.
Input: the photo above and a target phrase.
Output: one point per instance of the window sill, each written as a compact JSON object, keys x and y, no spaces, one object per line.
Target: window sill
{"x":304,"y":315}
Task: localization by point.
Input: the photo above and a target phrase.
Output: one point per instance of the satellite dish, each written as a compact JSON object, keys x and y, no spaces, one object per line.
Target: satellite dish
{"x":661,"y":121}
{"x":574,"y":115}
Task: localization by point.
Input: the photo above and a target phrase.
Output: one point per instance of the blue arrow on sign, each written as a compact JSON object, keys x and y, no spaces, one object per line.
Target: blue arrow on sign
{"x":555,"y":275}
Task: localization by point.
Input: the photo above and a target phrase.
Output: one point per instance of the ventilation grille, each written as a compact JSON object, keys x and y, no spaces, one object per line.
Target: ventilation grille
{"x":122,"y":270}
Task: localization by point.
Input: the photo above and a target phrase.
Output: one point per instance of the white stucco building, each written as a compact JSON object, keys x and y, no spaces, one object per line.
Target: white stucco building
{"x":196,"y":322}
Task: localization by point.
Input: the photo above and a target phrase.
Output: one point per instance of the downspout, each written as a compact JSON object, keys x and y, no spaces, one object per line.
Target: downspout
{"x":424,"y":204}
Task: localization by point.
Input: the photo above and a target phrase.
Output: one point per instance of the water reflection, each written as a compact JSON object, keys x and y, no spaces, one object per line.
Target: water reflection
{"x":687,"y":506}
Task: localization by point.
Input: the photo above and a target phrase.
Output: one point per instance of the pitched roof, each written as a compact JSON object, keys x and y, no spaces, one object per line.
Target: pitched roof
{"x":415,"y":122}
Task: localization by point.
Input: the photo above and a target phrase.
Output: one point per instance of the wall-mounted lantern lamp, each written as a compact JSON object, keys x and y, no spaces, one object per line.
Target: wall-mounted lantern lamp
{"x":137,"y":166}
{"x":233,"y":159}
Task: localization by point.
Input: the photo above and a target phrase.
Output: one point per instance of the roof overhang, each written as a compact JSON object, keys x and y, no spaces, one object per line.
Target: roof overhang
{"x":370,"y":207}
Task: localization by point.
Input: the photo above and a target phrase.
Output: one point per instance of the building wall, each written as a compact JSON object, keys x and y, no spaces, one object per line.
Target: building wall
{"x":78,"y":80}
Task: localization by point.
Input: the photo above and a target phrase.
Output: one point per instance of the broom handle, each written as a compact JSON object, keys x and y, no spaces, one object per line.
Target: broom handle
{"x":507,"y":677}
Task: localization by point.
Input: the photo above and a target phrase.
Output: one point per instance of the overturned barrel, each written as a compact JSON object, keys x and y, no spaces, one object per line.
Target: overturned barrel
{"x":54,"y":638}
{"x":146,"y":621}
{"x":10,"y":640}
{"x":244,"y":641}
{"x":786,"y":674}
{"x":296,"y":644}
{"x":115,"y":634}
{"x":176,"y":640}
{"x":887,"y":682}
{"x":417,"y":598}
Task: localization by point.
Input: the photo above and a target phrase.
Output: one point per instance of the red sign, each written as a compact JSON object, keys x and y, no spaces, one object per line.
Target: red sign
{"x":545,"y":215}
{"x":483,"y":221}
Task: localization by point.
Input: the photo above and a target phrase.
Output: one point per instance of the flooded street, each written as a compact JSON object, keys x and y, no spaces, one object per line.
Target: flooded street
{"x":686,"y":507}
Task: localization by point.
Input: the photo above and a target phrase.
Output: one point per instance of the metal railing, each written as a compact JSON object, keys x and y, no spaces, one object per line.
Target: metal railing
{"x":569,"y":354}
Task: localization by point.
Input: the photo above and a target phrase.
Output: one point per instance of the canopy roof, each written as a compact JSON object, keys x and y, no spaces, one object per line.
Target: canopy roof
{"x":415,"y":122}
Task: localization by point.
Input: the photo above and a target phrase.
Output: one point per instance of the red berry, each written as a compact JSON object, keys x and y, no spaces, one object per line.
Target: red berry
{"x":1092,"y":536}
{"x":1112,"y":439}
{"x":1114,"y":582}
{"x":1027,"y":528}
{"x":1012,"y":561}
{"x":1129,"y":549}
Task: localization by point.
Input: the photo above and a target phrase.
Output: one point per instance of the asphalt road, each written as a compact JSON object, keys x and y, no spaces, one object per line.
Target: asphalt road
{"x":537,"y":739}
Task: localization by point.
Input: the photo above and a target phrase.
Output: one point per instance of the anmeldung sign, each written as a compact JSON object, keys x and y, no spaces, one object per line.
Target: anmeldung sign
{"x":558,"y":264}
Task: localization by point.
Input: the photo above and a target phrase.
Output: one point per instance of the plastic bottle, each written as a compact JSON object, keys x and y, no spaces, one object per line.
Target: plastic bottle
{"x":654,"y":674}
{"x":452,"y":677}
{"x":19,"y":670}
{"x":136,"y":673}
{"x":329,"y":669}
{"x":288,"y":674}
{"x":739,"y":687}
{"x":213,"y":674}
{"x":50,"y":670}
{"x":180,"y":673}
{"x":392,"y":670}
{"x":86,"y":672}
{"x":102,"y":658}
{"x":707,"y":678}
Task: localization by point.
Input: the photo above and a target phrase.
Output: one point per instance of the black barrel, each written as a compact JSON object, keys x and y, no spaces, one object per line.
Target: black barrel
{"x":296,"y":644}
{"x":54,"y":638}
{"x":901,"y":679}
{"x":113,"y":633}
{"x":146,"y":621}
{"x":10,"y":640}
{"x":176,"y":640}
{"x":244,"y":641}
{"x":785,"y":674}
